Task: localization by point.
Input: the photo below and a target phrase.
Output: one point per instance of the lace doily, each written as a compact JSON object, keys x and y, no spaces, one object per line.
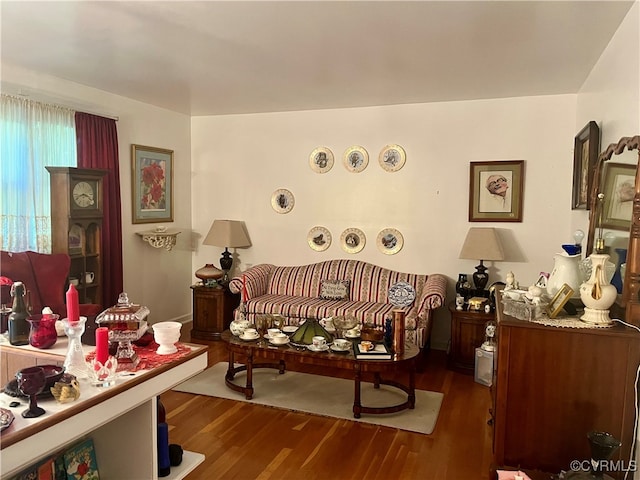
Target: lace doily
{"x":567,"y":322}
{"x":149,"y":358}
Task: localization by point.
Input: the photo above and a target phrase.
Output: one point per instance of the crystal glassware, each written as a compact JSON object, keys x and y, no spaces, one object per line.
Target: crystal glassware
{"x":103,"y":375}
{"x":31,"y":382}
{"x":262,"y":325}
{"x":74,"y":362}
{"x":43,"y":332}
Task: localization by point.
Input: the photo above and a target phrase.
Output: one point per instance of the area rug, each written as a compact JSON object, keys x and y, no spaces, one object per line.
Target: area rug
{"x":319,"y":395}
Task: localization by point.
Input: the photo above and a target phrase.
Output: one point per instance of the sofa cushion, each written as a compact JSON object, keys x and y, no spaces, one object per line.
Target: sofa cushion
{"x":334,"y":289}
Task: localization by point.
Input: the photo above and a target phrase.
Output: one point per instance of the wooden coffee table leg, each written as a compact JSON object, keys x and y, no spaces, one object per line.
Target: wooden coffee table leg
{"x":230,"y":368}
{"x":248,"y":390}
{"x":411,"y":398}
{"x":357,"y":406}
{"x":282,"y":367}
{"x":376,"y":380}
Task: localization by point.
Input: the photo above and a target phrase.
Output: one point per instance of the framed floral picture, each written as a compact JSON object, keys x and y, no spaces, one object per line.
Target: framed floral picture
{"x":496,"y":191}
{"x":152,"y":184}
{"x":619,"y":190}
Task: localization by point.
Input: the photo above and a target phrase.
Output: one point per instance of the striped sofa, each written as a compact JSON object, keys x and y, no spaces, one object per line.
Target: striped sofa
{"x":294,"y":292}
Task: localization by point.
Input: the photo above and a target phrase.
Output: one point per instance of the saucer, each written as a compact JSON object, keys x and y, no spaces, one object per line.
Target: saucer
{"x":247,"y":339}
{"x":321,"y":349}
{"x":348,"y":335}
{"x":339,"y":350}
{"x":281,"y":343}
{"x":289,"y":329}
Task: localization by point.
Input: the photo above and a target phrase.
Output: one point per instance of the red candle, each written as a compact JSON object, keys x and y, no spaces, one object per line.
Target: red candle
{"x":245,"y":294}
{"x":102,"y":344}
{"x":73,"y":309}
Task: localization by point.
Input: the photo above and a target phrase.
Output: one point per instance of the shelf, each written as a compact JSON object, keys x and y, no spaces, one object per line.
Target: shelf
{"x":190,"y":460}
{"x":165,"y":239}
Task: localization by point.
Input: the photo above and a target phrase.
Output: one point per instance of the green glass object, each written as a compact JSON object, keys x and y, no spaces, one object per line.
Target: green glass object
{"x":309,"y":329}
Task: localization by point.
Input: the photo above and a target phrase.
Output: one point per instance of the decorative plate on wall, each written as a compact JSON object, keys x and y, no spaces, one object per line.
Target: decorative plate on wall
{"x":392,"y":158}
{"x":321,"y":160}
{"x":356,"y":159}
{"x":353,"y":240}
{"x":319,"y":238}
{"x":390,"y":241}
{"x":282,"y":201}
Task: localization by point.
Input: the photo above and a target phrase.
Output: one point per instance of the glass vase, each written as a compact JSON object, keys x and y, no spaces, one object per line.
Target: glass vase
{"x":74,"y":362}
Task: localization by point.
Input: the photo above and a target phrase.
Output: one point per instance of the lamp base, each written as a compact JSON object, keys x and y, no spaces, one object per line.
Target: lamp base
{"x":226,"y":261}
{"x":480,"y":276}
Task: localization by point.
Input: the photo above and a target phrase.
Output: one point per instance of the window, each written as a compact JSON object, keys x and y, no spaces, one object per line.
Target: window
{"x":33,"y":135}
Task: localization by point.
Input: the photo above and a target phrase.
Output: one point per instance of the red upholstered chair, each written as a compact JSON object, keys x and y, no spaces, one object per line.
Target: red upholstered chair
{"x":44,"y":277}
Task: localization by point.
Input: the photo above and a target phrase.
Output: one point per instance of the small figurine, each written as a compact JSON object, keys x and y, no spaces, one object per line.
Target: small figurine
{"x":511,"y":282}
{"x":534,"y":294}
{"x":67,"y":389}
{"x":459,"y":302}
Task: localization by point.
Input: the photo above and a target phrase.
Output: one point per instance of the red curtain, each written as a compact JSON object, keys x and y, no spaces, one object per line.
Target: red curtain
{"x":97,"y":139}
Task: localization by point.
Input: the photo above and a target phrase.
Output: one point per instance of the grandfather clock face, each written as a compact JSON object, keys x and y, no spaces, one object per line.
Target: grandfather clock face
{"x":84,"y":195}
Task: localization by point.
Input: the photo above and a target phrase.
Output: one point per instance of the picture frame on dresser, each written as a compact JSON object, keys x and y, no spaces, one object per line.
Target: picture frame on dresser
{"x":619,"y":190}
{"x":151,"y":184}
{"x":586,"y":147}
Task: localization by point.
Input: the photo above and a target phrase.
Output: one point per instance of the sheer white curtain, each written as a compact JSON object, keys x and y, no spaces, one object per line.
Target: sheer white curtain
{"x":32,"y":135}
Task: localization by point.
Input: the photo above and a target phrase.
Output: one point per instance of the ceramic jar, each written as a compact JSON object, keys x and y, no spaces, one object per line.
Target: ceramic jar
{"x":597,"y":293}
{"x":566,"y":269}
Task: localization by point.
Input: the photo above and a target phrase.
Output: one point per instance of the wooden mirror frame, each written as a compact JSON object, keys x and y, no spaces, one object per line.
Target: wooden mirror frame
{"x":631,"y":283}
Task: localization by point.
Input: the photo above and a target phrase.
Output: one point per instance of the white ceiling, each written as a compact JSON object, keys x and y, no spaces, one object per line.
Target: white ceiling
{"x":221,"y":57}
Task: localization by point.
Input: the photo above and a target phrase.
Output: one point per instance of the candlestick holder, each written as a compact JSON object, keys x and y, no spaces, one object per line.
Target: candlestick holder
{"x":103,"y":375}
{"x":74,"y":362}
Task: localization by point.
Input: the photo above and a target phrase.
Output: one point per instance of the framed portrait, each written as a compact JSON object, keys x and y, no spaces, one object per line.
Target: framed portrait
{"x":356,"y":159}
{"x":496,"y":191}
{"x":152,"y":184}
{"x":559,"y":300}
{"x":586,"y":147}
{"x":619,"y":190}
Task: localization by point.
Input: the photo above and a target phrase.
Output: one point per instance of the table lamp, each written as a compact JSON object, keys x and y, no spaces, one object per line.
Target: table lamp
{"x":481,"y":244}
{"x":227,"y":233}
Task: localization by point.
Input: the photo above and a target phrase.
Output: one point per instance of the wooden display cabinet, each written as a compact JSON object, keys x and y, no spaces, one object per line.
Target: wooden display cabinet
{"x":467,"y":333}
{"x":554,"y":385}
{"x":212,"y":311}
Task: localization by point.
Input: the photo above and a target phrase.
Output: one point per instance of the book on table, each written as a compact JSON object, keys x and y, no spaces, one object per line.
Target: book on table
{"x":379,"y":352}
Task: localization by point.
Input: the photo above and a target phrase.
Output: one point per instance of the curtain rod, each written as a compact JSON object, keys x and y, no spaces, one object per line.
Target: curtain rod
{"x":55,"y":103}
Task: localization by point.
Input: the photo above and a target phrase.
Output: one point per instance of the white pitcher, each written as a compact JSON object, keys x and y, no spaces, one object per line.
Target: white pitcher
{"x":566,"y":269}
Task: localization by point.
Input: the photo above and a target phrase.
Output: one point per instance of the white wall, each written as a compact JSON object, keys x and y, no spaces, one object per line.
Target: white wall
{"x":427,"y":200}
{"x":155,"y":278}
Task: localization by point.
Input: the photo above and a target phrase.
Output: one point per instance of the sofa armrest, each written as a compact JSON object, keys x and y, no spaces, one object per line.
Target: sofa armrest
{"x":433,"y":294}
{"x":256,"y":280}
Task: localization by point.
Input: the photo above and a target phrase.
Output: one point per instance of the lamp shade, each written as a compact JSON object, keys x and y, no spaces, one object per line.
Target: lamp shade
{"x":227,"y":233}
{"x":482,"y":244}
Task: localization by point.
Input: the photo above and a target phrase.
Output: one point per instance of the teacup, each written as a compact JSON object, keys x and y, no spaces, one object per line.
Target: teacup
{"x":341,"y":344}
{"x":250,"y":333}
{"x":319,"y":342}
{"x":279,"y":338}
{"x":273,"y":332}
{"x":354,"y":332}
{"x":366,"y":345}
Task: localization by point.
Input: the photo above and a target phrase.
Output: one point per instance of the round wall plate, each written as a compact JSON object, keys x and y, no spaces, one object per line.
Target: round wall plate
{"x":352,"y":240}
{"x":356,"y":159}
{"x":319,"y":238}
{"x":390,"y":241}
{"x":321,"y":160}
{"x":392,"y":158}
{"x":282,"y":201}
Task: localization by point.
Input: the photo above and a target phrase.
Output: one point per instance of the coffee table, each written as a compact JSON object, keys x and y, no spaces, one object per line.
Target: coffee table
{"x":251,"y":354}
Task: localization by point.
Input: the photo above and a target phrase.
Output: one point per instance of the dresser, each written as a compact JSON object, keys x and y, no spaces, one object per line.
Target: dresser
{"x":554,"y":385}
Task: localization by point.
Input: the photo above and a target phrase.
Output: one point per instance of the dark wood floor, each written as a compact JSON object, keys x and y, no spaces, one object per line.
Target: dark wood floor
{"x":245,"y":441}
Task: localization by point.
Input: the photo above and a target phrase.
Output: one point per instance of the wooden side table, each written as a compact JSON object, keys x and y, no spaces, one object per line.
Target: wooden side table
{"x":467,"y":333}
{"x":212,"y":311}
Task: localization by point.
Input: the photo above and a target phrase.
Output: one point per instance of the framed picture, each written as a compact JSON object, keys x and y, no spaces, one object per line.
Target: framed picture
{"x":496,"y":191}
{"x":152,"y":184}
{"x":586,"y":148}
{"x":559,"y":300}
{"x":356,"y":159}
{"x":321,"y":160}
{"x":619,"y":190}
{"x":392,"y":158}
